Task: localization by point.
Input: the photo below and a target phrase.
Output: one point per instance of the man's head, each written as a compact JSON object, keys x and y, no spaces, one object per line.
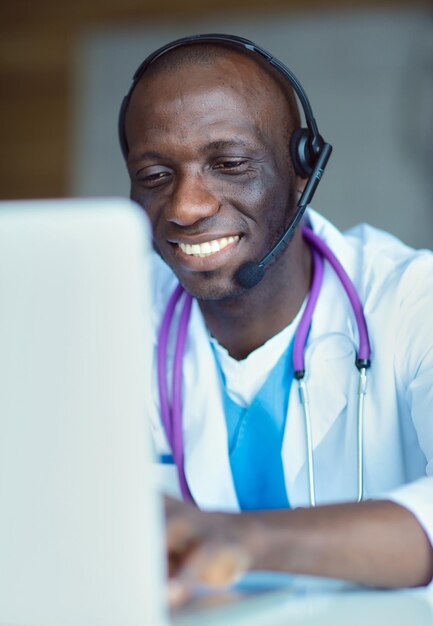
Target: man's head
{"x":208,"y":130}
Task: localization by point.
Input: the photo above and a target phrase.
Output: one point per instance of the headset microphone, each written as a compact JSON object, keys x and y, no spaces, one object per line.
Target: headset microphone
{"x":252,"y":272}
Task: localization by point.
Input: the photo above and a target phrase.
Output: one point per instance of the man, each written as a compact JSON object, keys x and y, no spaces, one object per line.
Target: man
{"x":207,"y":131}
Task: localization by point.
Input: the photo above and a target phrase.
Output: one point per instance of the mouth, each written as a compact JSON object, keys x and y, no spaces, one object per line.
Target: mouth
{"x":208,"y":248}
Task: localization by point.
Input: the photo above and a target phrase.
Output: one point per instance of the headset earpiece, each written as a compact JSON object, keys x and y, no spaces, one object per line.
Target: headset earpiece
{"x":301,"y":152}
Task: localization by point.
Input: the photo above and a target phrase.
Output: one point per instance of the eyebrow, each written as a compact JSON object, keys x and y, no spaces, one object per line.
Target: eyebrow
{"x":221,"y":144}
{"x":218,"y":144}
{"x":151,"y":154}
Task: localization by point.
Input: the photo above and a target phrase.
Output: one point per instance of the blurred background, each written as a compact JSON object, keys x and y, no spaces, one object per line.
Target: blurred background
{"x":366,"y":67}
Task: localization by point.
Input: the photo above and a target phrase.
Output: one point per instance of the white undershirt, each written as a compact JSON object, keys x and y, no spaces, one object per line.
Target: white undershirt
{"x":244,"y":378}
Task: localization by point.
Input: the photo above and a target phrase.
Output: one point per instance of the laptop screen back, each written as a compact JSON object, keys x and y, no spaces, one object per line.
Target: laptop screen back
{"x":80,"y":526}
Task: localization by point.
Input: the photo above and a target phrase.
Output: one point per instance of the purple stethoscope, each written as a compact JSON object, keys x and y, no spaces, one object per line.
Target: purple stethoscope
{"x":171,"y":412}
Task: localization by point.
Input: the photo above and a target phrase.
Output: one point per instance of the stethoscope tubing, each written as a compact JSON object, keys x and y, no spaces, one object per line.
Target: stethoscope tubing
{"x":364,"y":350}
{"x":172,"y":415}
{"x":307,"y":316}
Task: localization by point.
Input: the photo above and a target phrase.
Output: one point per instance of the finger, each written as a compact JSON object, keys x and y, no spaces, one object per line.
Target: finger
{"x":211,"y":565}
{"x":178,"y":556}
{"x":177,"y":593}
{"x":214,"y":565}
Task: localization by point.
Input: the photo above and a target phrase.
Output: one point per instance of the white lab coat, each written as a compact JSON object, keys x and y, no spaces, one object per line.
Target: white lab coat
{"x":395,"y":285}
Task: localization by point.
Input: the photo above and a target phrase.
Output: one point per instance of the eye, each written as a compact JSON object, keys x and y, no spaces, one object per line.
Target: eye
{"x":153,"y":176}
{"x":231,"y":165}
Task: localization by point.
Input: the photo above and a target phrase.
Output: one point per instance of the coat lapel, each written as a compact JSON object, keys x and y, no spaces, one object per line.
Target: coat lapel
{"x":331,"y":379}
{"x":207,"y":463}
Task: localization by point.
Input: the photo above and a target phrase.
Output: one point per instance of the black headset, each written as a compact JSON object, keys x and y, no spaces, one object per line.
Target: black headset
{"x":308,"y":150}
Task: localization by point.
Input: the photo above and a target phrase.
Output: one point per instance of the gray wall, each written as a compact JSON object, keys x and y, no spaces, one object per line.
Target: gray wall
{"x":369,"y":77}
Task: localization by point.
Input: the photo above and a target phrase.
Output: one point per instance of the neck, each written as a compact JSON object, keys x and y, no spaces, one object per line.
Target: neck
{"x":243,"y":323}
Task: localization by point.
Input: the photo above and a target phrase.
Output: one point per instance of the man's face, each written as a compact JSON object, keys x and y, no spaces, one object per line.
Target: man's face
{"x":208,"y":161}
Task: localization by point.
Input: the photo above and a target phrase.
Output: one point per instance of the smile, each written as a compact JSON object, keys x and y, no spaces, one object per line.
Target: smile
{"x":207,"y":248}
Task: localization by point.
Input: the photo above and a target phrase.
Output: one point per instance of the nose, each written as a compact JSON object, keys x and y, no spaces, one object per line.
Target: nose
{"x":192,"y":200}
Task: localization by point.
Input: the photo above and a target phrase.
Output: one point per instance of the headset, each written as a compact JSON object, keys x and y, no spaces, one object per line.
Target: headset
{"x":308,"y":150}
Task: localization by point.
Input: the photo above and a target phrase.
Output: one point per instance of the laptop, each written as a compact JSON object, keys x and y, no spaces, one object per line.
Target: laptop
{"x":81,"y":525}
{"x":79,"y":517}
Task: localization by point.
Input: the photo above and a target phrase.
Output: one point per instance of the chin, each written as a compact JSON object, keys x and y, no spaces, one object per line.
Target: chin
{"x":207,"y":288}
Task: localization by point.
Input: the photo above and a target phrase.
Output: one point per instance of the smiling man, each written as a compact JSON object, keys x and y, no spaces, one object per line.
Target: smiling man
{"x":212,"y":169}
{"x":207,"y":130}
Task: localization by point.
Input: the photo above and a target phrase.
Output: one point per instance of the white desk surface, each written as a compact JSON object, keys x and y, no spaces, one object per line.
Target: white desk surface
{"x":316,"y":604}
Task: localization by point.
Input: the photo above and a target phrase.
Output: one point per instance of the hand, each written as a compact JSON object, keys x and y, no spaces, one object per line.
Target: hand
{"x":361,"y":542}
{"x":203,"y":548}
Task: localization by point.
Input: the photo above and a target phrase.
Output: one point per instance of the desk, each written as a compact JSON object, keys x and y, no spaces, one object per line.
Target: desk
{"x":316,"y":606}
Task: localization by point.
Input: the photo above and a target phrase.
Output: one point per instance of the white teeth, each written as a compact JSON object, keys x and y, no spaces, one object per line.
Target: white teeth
{"x":208,"y":247}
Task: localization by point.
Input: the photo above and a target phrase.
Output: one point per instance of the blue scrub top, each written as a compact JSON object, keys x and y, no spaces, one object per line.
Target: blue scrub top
{"x":255,"y":437}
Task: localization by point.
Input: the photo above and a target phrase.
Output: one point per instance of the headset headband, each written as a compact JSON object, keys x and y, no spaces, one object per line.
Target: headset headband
{"x":309,"y":143}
